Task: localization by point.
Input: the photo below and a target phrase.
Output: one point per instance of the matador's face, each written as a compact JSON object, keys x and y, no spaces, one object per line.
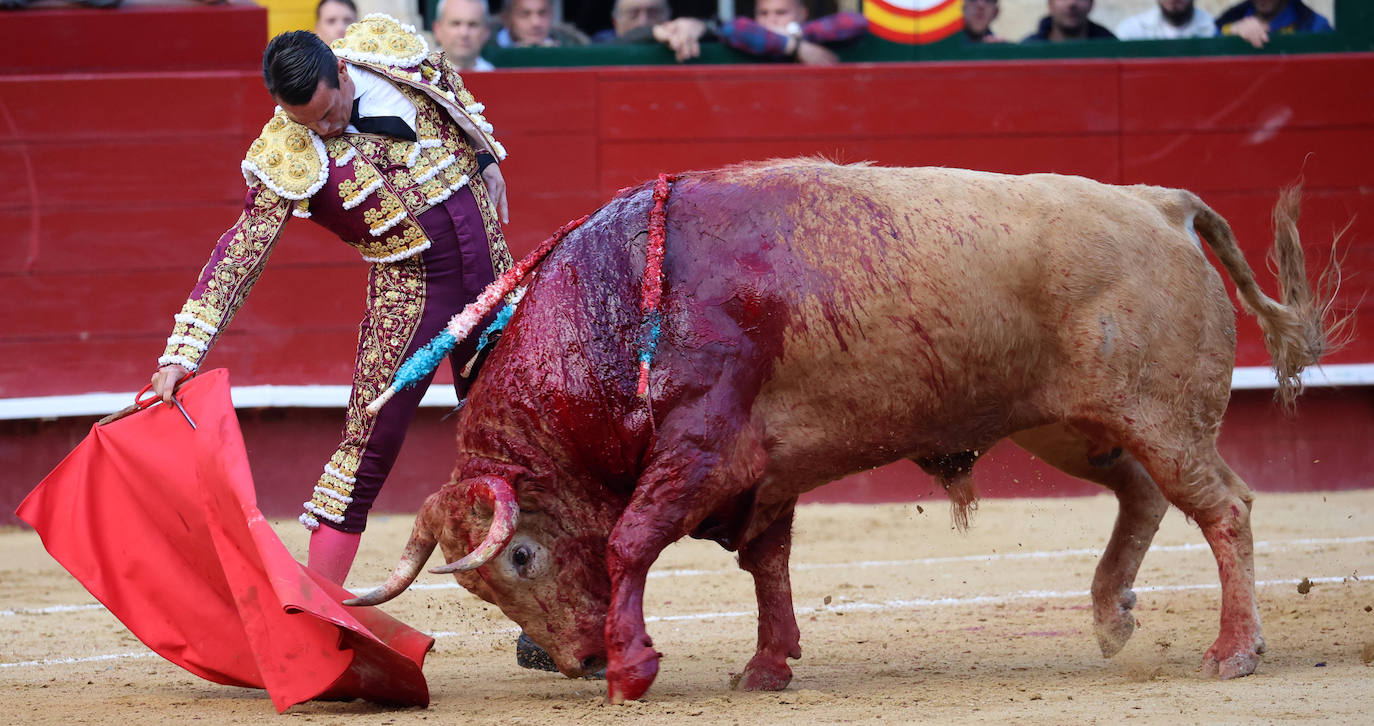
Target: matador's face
{"x":327,"y":112}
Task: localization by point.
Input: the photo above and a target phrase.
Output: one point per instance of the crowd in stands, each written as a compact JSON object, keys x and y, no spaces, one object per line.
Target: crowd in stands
{"x":1252,"y":20}
{"x":783,"y":30}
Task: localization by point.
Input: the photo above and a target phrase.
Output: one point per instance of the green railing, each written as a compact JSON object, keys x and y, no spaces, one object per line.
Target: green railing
{"x":1354,"y":21}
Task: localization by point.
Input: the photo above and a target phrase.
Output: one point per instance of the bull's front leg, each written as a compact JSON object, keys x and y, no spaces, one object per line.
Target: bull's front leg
{"x":687,"y":478}
{"x":636,"y":541}
{"x":765,"y":557}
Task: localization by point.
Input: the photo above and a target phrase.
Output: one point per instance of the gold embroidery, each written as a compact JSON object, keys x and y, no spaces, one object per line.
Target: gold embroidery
{"x":412,"y":199}
{"x":226,"y":281}
{"x":385,"y":211}
{"x":500,"y":253}
{"x":411,"y":237}
{"x":399,"y":151}
{"x":427,"y":128}
{"x":390,"y":195}
{"x":289,"y":158}
{"x":396,"y":298}
{"x":381,"y":39}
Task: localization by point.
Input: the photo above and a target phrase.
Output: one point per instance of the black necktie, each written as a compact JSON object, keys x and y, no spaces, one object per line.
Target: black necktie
{"x":393,"y":126}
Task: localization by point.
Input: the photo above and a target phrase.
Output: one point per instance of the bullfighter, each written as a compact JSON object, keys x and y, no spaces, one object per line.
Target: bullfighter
{"x":376,"y":140}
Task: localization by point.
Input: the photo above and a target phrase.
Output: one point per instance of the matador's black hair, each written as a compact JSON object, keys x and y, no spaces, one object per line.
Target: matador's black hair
{"x":294,"y":64}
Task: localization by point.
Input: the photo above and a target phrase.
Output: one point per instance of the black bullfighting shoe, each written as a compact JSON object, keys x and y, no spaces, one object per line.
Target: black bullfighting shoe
{"x":529,"y":655}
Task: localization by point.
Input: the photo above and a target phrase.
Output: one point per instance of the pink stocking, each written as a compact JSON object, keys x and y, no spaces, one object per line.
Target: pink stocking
{"x":332,"y":552}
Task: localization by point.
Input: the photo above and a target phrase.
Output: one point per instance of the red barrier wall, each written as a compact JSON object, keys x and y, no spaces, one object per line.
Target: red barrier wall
{"x":1324,"y":447}
{"x":123,"y":181}
{"x":122,"y":169}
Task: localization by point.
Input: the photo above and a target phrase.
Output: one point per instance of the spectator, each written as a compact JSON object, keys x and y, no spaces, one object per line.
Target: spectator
{"x":782,"y":36}
{"x":530,"y":23}
{"x":1170,"y":19}
{"x":978,"y":17}
{"x":779,"y":30}
{"x":332,"y":18}
{"x":1256,"y":20}
{"x":629,"y":15}
{"x":1068,"y":20}
{"x":461,"y":28}
{"x":645,"y":21}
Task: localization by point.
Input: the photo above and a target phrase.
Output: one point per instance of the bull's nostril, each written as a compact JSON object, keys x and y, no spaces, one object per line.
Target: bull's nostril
{"x":594,"y":667}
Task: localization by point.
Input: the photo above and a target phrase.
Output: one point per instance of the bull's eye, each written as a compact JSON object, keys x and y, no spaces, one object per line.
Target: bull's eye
{"x":525,"y":558}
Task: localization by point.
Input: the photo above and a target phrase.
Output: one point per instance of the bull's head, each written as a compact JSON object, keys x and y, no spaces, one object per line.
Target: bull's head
{"x":550,"y":442}
{"x":544,"y":571}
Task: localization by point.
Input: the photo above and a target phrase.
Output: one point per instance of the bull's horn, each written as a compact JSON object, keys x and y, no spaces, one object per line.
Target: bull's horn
{"x":417,"y":551}
{"x":505,"y":513}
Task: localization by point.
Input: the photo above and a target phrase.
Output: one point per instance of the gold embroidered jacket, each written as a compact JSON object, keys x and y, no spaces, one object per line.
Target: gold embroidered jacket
{"x":367,"y":189}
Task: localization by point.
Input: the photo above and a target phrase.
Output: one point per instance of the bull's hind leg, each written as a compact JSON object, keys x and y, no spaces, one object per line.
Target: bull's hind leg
{"x":765,"y":557}
{"x":1140,"y":507}
{"x":1195,"y":479}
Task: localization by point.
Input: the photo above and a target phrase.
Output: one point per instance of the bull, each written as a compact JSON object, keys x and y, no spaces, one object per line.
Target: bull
{"x":819,"y":320}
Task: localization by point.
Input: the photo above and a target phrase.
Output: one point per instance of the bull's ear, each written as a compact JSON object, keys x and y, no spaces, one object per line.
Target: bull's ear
{"x":496,"y":494}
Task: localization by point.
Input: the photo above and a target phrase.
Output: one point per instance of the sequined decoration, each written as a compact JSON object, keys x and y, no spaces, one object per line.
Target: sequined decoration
{"x":396,"y":299}
{"x":233,"y":268}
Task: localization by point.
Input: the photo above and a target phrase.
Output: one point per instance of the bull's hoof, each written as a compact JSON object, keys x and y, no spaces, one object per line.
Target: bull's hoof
{"x":629,"y":677}
{"x":763,"y":676}
{"x":1226,"y":662}
{"x":1114,"y":622}
{"x":528,"y":654}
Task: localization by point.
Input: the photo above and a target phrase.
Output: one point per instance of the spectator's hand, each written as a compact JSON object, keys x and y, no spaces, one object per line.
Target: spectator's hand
{"x":815,"y":54}
{"x":1253,"y":30}
{"x":165,"y":381}
{"x":496,"y":189}
{"x":682,"y":36}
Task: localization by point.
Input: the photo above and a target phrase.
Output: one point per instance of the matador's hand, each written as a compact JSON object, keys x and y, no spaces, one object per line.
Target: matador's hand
{"x":496,"y":189}
{"x":165,"y":381}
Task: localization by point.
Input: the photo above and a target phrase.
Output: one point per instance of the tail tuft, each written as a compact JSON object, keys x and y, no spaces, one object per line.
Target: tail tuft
{"x":1301,"y":326}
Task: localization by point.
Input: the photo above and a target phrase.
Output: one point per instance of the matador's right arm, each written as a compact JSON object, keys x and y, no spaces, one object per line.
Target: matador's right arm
{"x":224,"y":283}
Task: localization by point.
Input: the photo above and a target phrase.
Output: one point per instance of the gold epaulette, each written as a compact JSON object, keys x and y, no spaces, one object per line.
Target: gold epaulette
{"x":383,"y":40}
{"x":288,"y":157}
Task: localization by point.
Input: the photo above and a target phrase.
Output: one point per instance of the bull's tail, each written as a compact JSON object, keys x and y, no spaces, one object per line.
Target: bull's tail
{"x":1298,"y":328}
{"x":421,"y":545}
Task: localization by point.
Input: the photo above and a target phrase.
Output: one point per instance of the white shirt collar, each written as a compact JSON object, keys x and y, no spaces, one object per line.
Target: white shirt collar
{"x":378,"y":97}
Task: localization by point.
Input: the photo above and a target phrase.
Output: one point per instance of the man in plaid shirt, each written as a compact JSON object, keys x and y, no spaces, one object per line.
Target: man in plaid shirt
{"x":780,"y":31}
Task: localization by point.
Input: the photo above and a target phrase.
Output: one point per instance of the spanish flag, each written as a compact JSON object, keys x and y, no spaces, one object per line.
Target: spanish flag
{"x":914,"y":22}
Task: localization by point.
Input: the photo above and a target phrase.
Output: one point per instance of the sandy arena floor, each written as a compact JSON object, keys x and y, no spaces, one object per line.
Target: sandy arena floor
{"x":903,"y":620}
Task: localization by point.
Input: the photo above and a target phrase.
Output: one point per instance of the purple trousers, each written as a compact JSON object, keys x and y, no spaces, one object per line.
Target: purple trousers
{"x":409,"y":302}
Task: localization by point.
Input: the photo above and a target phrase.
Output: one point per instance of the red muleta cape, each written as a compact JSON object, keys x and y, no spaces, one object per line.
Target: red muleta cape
{"x":160,"y":523}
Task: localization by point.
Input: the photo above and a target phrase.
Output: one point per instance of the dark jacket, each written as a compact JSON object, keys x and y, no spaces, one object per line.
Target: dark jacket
{"x":1042,"y":33}
{"x":1295,"y":18}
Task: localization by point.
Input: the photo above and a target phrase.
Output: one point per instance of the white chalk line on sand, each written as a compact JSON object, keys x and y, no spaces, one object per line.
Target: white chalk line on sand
{"x":843,"y":607}
{"x":803,"y":567}
{"x":74,"y":661}
{"x":847,"y":607}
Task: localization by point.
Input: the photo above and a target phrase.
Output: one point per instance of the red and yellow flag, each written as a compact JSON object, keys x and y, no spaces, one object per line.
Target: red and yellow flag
{"x":914,"y":22}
